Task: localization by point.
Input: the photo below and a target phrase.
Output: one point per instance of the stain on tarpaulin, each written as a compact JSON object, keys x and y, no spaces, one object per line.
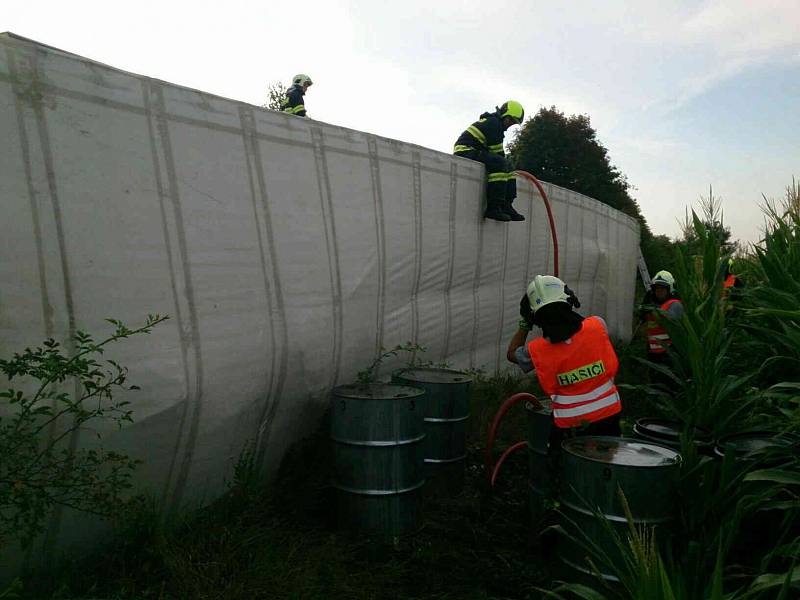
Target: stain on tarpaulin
{"x":30,"y":83}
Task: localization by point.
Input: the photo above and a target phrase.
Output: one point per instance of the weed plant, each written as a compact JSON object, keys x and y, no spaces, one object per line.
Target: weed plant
{"x":733,"y":367}
{"x":281,"y":541}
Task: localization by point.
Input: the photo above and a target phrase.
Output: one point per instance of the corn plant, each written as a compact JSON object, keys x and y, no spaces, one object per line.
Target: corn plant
{"x":772,"y":305}
{"x":706,"y":390}
{"x":642,"y":573}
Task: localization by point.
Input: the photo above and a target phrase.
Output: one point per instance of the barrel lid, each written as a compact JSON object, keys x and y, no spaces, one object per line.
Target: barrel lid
{"x":754,"y":441}
{"x":620,"y":451}
{"x":377,"y":391}
{"x":668,"y":430}
{"x":432,"y":375}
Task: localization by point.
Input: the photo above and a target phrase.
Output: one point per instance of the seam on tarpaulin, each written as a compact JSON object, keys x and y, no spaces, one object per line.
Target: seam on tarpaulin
{"x":503,"y":267}
{"x":54,"y":525}
{"x":247,"y":120}
{"x":380,"y":232}
{"x":162,"y":129}
{"x":278,"y":310}
{"x":417,"y":183}
{"x":326,"y":204}
{"x":47,"y":307}
{"x":529,"y":250}
{"x":175,"y":295}
{"x":451,"y":259}
{"x":480,"y":224}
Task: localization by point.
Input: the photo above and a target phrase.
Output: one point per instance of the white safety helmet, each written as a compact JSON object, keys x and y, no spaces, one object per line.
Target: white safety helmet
{"x":546,"y":289}
{"x":664,"y":278}
{"x":301,"y":79}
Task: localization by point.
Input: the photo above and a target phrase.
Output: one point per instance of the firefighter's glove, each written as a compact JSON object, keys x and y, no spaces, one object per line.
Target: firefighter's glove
{"x":572,"y":299}
{"x":526,"y":313}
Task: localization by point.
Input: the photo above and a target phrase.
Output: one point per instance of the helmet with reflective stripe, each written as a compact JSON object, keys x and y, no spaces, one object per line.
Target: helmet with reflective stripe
{"x":301,"y":79}
{"x":546,"y":289}
{"x":512,"y":109}
{"x":664,"y":278}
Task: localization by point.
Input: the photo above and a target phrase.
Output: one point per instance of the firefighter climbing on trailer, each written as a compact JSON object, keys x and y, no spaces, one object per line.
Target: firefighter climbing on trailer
{"x":294,"y":102}
{"x":483,"y":141}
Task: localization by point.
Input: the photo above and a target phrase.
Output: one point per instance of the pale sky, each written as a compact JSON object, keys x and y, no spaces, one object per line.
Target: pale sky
{"x":684,"y":94}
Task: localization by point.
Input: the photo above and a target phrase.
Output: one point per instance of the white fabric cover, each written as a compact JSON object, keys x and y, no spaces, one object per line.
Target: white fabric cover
{"x":287,"y":252}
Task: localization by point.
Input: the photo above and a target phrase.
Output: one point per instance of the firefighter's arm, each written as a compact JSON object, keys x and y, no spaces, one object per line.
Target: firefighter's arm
{"x":517,"y":341}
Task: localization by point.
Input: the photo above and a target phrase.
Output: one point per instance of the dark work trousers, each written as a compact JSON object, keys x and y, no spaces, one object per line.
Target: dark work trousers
{"x":501,"y":185}
{"x":608,"y":426}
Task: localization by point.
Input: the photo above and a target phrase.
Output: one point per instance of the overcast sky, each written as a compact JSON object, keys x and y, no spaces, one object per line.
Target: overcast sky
{"x":684,"y":94}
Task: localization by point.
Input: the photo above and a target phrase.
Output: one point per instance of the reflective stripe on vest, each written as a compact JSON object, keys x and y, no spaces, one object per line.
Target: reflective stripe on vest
{"x":657,"y":336}
{"x":578,"y":376}
{"x":585,"y":409}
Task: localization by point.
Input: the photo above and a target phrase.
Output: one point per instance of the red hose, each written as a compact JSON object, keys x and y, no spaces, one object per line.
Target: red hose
{"x":538,"y":185}
{"x":509,"y":451}
{"x":490,"y":469}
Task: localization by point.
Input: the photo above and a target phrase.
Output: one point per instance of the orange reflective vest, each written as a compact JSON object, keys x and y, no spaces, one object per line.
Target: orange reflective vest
{"x":657,"y":336}
{"x":729,"y":282}
{"x":578,"y":374}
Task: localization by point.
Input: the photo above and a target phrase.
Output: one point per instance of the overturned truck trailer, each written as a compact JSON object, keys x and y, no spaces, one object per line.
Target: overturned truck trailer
{"x":287,"y":252}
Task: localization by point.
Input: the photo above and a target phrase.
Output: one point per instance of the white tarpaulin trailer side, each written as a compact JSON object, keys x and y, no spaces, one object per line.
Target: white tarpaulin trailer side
{"x":287,"y":252}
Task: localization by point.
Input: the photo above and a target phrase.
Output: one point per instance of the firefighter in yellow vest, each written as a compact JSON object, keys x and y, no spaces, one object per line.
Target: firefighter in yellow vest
{"x":573,"y":360}
{"x":661,"y":297}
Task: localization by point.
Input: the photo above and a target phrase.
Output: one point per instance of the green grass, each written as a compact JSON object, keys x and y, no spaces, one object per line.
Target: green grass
{"x":282,"y":541}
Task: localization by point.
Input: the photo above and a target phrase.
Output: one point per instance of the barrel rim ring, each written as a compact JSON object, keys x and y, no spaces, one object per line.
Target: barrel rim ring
{"x":676,"y":461}
{"x":378,"y":443}
{"x":377,"y":493}
{"x":412,"y":393}
{"x":465,"y":378}
{"x":443,"y":420}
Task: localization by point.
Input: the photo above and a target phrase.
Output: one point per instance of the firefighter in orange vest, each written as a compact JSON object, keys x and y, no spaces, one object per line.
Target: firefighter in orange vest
{"x":662,"y":296}
{"x":573,"y":360}
{"x":732,"y":284}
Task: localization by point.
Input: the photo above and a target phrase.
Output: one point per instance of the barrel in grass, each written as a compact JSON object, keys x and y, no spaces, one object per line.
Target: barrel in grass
{"x":668,"y":433}
{"x":541,"y":476}
{"x":377,"y":433}
{"x":749,"y":451}
{"x":446,"y":414}
{"x":595,"y":468}
{"x":754,"y":445}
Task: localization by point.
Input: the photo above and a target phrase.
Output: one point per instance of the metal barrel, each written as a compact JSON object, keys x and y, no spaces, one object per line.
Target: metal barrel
{"x":668,"y":433}
{"x":757,"y":450}
{"x":594,"y":468}
{"x":446,"y":414}
{"x":541,"y":476}
{"x":377,"y":432}
{"x":750,"y":445}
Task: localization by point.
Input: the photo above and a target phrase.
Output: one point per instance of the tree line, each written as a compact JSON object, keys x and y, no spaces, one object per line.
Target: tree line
{"x":564,"y":150}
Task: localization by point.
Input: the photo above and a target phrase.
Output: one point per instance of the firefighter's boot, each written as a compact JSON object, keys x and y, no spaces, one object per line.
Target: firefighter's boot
{"x":512,"y":214}
{"x":494,"y":210}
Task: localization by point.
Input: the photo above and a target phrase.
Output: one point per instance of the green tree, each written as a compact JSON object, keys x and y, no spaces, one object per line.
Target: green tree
{"x":565,"y":151}
{"x":276,"y":92}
